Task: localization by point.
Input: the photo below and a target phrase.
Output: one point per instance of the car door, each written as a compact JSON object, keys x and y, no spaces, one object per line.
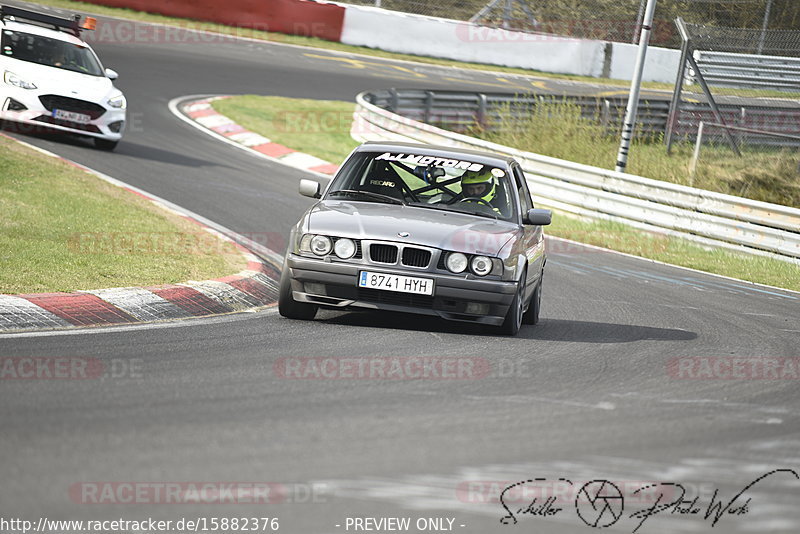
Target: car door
{"x":533,"y":240}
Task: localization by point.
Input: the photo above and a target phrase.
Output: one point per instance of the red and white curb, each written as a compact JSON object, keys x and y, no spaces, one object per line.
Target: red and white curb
{"x":254,"y":287}
{"x":200,"y":113}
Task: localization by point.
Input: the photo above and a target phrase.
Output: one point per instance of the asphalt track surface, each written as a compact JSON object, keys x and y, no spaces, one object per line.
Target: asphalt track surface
{"x":584,"y":395}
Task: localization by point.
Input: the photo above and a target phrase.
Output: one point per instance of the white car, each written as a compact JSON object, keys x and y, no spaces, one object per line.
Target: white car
{"x":53,"y":80}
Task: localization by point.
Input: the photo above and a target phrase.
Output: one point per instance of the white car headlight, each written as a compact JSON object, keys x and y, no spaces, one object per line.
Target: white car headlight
{"x":118,"y":101}
{"x":12,"y":79}
{"x":345,"y":248}
{"x":321,"y":245}
{"x":481,"y":265}
{"x":456,"y":262}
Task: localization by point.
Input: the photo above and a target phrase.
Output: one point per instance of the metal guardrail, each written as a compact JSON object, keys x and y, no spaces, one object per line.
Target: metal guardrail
{"x":460,"y":111}
{"x":703,"y":216}
{"x":748,"y":71}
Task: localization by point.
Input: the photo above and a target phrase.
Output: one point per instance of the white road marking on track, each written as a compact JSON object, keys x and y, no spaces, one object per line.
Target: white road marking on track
{"x":528,"y":399}
{"x":745,"y":283}
{"x":178,"y":323}
{"x":249,"y":139}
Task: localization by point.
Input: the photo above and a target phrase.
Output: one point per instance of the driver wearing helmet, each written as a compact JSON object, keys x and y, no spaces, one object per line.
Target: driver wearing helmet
{"x":480,"y":187}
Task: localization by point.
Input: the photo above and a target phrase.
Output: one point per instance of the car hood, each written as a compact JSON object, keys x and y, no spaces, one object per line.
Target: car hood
{"x":445,"y":230}
{"x":51,"y":80}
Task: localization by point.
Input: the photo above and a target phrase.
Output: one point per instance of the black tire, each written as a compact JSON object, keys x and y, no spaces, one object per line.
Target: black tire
{"x":513,"y":320}
{"x":532,"y":315}
{"x":290,"y":308}
{"x":105,"y":144}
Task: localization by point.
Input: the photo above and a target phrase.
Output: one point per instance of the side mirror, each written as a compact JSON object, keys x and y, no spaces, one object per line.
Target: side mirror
{"x":310,"y":188}
{"x":111,"y":74}
{"x":538,"y":217}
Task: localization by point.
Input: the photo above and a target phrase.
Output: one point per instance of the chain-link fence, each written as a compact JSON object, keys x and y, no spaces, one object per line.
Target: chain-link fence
{"x":737,"y":99}
{"x":609,"y":20}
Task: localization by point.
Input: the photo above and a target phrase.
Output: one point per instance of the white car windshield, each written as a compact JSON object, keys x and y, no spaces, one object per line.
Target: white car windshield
{"x":450,"y":184}
{"x":49,"y":52}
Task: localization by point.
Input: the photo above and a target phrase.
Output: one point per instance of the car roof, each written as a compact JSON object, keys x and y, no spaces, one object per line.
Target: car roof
{"x":35,"y":29}
{"x":487,"y":158}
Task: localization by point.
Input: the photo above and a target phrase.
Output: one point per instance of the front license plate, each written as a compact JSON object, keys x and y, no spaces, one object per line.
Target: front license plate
{"x":396,"y":282}
{"x":71,"y":116}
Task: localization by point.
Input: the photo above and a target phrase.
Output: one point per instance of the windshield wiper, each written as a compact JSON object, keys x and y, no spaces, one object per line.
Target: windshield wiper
{"x":370,"y":194}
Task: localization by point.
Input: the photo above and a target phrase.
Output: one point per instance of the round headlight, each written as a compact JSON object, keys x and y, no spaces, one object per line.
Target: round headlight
{"x":481,"y":265}
{"x":321,"y":245}
{"x":345,"y":248}
{"x":456,"y":262}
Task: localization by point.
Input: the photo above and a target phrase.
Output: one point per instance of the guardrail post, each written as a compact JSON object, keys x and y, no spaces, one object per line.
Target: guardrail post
{"x":605,"y":119}
{"x":698,"y":143}
{"x":393,"y":100}
{"x":428,"y":106}
{"x":482,"y":106}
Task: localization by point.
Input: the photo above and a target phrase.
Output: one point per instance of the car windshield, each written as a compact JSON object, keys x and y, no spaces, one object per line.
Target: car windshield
{"x":433,"y":182}
{"x":50,"y":52}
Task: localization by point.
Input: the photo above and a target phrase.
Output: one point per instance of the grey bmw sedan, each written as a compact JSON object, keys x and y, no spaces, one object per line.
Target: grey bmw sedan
{"x":420,"y":229}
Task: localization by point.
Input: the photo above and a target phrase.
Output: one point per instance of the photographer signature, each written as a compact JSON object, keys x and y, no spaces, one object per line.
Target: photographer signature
{"x":600,"y":503}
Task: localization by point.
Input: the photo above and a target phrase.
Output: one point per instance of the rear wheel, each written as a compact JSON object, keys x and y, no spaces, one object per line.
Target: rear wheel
{"x":513,"y":320}
{"x":105,"y":144}
{"x":290,"y":308}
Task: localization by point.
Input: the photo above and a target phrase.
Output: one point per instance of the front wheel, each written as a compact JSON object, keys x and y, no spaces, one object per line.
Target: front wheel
{"x":513,"y":320}
{"x":290,"y":308}
{"x":532,"y":315}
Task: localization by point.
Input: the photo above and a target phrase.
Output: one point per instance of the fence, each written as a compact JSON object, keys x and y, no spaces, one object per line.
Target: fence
{"x":459,"y":111}
{"x":702,"y":216}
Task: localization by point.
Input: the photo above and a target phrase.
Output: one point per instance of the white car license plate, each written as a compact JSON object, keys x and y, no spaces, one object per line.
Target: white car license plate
{"x":71,"y":116}
{"x":396,"y":282}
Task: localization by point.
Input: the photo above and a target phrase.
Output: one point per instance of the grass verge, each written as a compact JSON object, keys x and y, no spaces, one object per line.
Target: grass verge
{"x":558,"y":130}
{"x":317,"y":127}
{"x":63,"y":229}
{"x":258,"y":114}
{"x":622,"y":238}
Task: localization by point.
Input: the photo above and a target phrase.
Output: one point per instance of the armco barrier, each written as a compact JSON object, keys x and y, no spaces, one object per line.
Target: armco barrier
{"x":460,"y":110}
{"x":706,"y":217}
{"x":294,"y":17}
{"x":748,"y":71}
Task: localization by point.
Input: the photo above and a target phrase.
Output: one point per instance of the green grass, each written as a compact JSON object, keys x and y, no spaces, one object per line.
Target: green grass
{"x":318,"y":127}
{"x":258,"y":113}
{"x":622,"y":238}
{"x":62,"y":229}
{"x":557,"y":130}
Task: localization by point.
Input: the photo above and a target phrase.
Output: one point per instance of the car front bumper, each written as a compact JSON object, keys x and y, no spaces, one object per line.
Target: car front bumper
{"x":35,"y":117}
{"x":450,"y":300}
